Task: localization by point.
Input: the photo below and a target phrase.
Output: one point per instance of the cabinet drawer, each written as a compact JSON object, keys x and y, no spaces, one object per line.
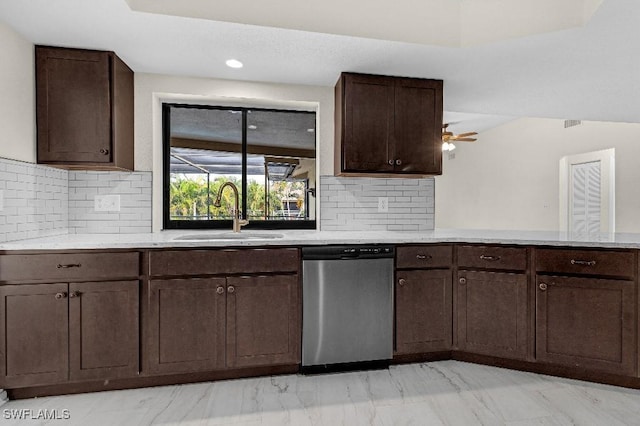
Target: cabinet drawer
{"x":424,"y":256}
{"x":69,"y":266}
{"x":492,"y":257}
{"x":209,"y":262}
{"x":588,"y":262}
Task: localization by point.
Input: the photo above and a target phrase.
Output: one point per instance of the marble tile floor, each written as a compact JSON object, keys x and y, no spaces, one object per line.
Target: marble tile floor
{"x":436,"y":393}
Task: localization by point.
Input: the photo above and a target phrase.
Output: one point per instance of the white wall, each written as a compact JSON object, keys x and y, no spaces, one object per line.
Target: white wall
{"x":509,"y":178}
{"x":17,"y":97}
{"x":152,"y":89}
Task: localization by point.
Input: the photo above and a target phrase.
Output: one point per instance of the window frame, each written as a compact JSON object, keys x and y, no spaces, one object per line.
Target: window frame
{"x":222,"y":224}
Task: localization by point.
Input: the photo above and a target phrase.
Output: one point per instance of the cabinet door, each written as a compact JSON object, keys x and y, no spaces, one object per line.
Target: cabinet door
{"x":103,"y":330}
{"x":368,"y":123}
{"x":423,"y":311}
{"x":35,"y":348}
{"x":586,"y":322}
{"x":73,"y":105}
{"x":492,"y":313}
{"x":263,"y":320}
{"x":418,"y":126}
{"x":186,"y":325}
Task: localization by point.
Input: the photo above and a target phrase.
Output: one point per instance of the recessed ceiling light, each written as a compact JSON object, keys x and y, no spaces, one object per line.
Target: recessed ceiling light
{"x":252,"y":127}
{"x":311,"y":130}
{"x":234,"y":63}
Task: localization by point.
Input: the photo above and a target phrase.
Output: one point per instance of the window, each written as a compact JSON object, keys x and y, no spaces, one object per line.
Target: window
{"x":268,"y":154}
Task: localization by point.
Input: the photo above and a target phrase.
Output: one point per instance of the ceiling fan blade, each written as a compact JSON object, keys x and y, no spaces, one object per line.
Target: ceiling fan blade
{"x":464,"y":139}
{"x":447,"y":133}
{"x":467,"y":134}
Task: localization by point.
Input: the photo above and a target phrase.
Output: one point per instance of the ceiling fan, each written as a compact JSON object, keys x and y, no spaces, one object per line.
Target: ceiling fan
{"x":448,"y":136}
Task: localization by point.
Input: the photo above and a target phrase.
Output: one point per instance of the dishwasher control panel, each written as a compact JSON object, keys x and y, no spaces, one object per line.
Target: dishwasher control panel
{"x":348,"y":252}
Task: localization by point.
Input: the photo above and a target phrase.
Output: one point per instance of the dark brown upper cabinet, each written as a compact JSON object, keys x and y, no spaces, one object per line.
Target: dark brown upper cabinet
{"x":388,"y":125}
{"x":84,"y":108}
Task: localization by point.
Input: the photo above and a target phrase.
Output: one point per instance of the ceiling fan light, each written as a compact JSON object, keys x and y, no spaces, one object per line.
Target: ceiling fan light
{"x":448,"y":146}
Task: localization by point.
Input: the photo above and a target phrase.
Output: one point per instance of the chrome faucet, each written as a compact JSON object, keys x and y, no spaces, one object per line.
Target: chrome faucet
{"x":237,"y":222}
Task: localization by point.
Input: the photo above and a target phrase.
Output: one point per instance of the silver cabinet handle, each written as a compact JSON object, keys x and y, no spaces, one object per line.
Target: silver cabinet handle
{"x":61,"y":295}
{"x":489,"y":258}
{"x":398,"y":162}
{"x":231,"y":289}
{"x":220,"y":290}
{"x":69,"y":265}
{"x":402,"y":282}
{"x":391,"y":162}
{"x":423,"y":256}
{"x":543,"y":286}
{"x":462,"y":281}
{"x":583,"y":262}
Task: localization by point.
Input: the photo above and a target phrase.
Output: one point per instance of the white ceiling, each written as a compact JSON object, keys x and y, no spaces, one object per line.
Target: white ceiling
{"x":589,"y":73}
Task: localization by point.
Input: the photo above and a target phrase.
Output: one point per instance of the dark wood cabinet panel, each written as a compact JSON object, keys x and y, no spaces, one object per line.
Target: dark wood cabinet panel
{"x":34,"y":322}
{"x":423,"y":311}
{"x":424,"y":256}
{"x":225,"y":261}
{"x":263,"y":320}
{"x":69,"y":266}
{"x":388,"y":125}
{"x":84,"y":108}
{"x":586,"y":322}
{"x":103,"y":330}
{"x":586,"y":262}
{"x":186,"y":325}
{"x":418,"y":126}
{"x":368,"y":123}
{"x":492,"y":313}
{"x":492,"y":257}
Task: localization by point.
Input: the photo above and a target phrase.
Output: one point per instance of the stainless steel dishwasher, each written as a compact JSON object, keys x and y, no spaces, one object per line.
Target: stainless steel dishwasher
{"x":347,"y":296}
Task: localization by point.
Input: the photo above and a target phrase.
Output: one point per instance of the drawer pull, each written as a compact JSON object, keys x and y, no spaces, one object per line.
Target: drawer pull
{"x":69,"y":265}
{"x":104,"y":151}
{"x":489,"y":258}
{"x":543,"y":286}
{"x":74,"y":294}
{"x":583,"y":262}
{"x":402,"y":282}
{"x":462,"y":281}
{"x":220,"y":290}
{"x":423,"y":256}
{"x":61,"y":295}
{"x":231,"y":289}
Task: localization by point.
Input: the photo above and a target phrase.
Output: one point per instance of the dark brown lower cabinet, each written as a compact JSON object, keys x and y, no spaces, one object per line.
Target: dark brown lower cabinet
{"x":587,"y":323}
{"x":55,"y":333}
{"x":35,"y":322}
{"x":423,"y":311}
{"x":103,"y":330}
{"x":187,"y":325}
{"x":492,"y":313}
{"x":204,"y":324}
{"x":263,"y":320}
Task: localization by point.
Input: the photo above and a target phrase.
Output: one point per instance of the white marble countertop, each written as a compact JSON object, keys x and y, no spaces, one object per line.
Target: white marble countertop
{"x":166,"y":239}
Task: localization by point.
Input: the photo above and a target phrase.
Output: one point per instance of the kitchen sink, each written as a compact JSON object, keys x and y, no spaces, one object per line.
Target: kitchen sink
{"x":229,"y":236}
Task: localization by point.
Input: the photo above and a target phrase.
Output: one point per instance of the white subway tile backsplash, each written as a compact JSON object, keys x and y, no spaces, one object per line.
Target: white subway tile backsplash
{"x":44,"y":201}
{"x":134,"y":189}
{"x":352,"y":204}
{"x":35,"y":200}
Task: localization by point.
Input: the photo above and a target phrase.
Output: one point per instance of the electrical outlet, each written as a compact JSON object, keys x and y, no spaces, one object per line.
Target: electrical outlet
{"x":383,"y":204}
{"x":107,"y":203}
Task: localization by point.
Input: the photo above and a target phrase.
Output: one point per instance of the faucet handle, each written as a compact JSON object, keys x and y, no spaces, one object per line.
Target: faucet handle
{"x":243,"y":222}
